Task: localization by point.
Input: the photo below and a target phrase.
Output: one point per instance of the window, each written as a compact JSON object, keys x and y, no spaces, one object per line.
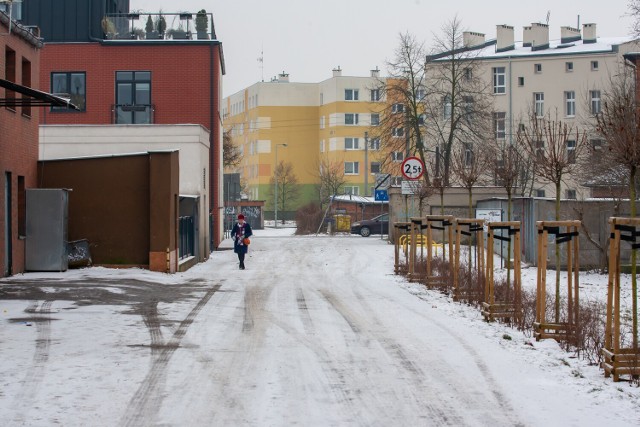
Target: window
{"x":396,"y":181}
{"x":133,"y":97}
{"x":570,"y":194}
{"x":538,"y":100}
{"x":351,"y":119}
{"x":351,"y":94}
{"x":468,"y":74}
{"x":375,"y":119}
{"x":397,"y":108}
{"x":420,"y":94}
{"x":468,"y":155}
{"x":539,"y":193}
{"x":26,"y":81}
{"x":499,"y":125}
{"x":468,"y":109}
{"x":15,"y":9}
{"x":540,"y":150}
{"x":375,"y":95}
{"x":422,"y":119}
{"x":397,"y":156}
{"x":499,"y":80}
{"x":321,"y":98}
{"x":597,"y":144}
{"x":446,"y":107}
{"x":568,"y":67}
{"x":375,"y":167}
{"x":521,"y":127}
{"x":570,"y":103}
{"x":520,"y":81}
{"x":594,"y":65}
{"x":351,"y":189}
{"x":397,"y":132}
{"x":10,"y":74}
{"x":322,"y":122}
{"x":72,"y":85}
{"x":351,"y":168}
{"x":374,"y":144}
{"x":352,"y":143}
{"x":596,"y":105}
{"x":537,"y":68}
{"x":571,"y":151}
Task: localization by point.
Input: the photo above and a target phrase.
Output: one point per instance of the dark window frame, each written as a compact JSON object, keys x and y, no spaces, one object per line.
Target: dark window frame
{"x":82,"y":106}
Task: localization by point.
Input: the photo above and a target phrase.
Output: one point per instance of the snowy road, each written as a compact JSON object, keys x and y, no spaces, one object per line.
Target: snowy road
{"x":316,"y":331}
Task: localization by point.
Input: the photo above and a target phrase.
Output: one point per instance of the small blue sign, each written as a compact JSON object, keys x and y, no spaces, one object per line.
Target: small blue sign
{"x":381,"y":196}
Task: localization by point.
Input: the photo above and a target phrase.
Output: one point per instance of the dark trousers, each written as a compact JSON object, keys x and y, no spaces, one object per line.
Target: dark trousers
{"x":241,"y":257}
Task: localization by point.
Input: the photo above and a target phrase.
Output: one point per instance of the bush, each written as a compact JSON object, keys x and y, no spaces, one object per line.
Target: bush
{"x":308,"y":218}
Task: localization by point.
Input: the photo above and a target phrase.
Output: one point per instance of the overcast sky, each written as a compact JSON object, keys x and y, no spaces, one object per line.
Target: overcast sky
{"x":308,"y":38}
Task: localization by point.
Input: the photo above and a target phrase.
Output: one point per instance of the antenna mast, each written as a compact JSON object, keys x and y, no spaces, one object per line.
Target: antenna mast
{"x":261,"y":61}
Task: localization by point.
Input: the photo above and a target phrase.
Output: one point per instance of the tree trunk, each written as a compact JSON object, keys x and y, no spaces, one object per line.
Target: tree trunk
{"x":557,"y":301}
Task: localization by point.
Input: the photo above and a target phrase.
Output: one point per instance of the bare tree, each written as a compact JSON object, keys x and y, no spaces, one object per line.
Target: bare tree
{"x":331,"y":178}
{"x":556,"y":148}
{"x":459,"y":104}
{"x":401,"y":125}
{"x":231,"y":155}
{"x":619,"y":125}
{"x":470,"y":167}
{"x":288,"y":188}
{"x":634,"y":11}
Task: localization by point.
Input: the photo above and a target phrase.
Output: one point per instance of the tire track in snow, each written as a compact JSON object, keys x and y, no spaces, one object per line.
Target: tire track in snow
{"x":145,"y":404}
{"x":35,"y":373}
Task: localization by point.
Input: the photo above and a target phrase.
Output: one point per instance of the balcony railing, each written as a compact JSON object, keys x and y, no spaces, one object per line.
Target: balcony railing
{"x":159,"y":26}
{"x":136,"y":114}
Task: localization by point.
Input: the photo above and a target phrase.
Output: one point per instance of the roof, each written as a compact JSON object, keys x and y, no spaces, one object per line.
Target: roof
{"x":37,"y":97}
{"x":556,"y":47}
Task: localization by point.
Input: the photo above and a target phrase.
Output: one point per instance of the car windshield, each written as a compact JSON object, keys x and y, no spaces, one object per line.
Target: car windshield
{"x":384,"y":217}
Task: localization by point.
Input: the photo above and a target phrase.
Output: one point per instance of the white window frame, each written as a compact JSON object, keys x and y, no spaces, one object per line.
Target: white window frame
{"x":538,"y":104}
{"x":375,"y":119}
{"x":500,"y":125}
{"x":421,"y":94}
{"x":351,"y":143}
{"x":446,"y":107}
{"x":375,"y":95}
{"x":570,"y":103}
{"x":374,"y":144}
{"x":351,"y":168}
{"x":539,"y":192}
{"x":568,"y":67}
{"x":354,"y":190}
{"x":571,"y":194}
{"x":537,"y":68}
{"x":594,"y":66}
{"x":397,"y":156}
{"x":397,"y":108}
{"x":595,"y":102}
{"x":351,"y":94}
{"x":499,"y":80}
{"x":351,"y":119}
{"x":571,"y":151}
{"x":375,"y":167}
{"x":397,"y":132}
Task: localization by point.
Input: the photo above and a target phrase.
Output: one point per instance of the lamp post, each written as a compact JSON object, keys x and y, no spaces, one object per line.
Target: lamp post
{"x":275,"y":174}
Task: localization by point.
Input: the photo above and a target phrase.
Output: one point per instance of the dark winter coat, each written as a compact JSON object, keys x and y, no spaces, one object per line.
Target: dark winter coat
{"x":238,"y":233}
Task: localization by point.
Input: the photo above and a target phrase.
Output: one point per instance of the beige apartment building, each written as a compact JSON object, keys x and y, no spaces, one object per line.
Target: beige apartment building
{"x":567,"y":76}
{"x":306,"y":124}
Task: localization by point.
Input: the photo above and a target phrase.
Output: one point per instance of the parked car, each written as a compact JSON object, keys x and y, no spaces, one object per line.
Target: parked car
{"x":375,"y":225}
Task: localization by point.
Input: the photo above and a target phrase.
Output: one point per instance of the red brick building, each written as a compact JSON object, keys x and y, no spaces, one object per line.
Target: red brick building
{"x":142,"y":80}
{"x":19,"y":63}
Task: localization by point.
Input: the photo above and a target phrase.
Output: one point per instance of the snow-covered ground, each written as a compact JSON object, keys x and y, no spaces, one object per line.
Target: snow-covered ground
{"x":316,"y":331}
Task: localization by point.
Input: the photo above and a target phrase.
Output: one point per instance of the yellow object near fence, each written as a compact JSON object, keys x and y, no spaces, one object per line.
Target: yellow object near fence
{"x":421,"y":240}
{"x":343,"y":222}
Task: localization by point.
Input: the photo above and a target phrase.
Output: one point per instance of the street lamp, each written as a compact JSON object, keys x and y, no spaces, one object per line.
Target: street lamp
{"x":275,"y":174}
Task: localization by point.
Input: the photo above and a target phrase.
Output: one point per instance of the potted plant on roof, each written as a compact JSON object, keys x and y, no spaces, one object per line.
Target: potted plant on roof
{"x":161,"y":25}
{"x":108,"y":27}
{"x":202,"y":24}
{"x":150,"y":29}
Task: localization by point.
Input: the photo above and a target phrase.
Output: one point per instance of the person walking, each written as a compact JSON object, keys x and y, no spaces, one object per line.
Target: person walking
{"x":240,"y":233}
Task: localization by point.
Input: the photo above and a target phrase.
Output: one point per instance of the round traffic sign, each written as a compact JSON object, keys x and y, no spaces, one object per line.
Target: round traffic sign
{"x":412,"y":168}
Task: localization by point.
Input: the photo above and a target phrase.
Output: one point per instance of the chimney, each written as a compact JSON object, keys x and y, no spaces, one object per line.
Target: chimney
{"x":504,"y":34}
{"x":589,"y":33}
{"x":375,"y":73}
{"x":540,"y":36}
{"x":527,"y":36}
{"x":569,"y":34}
{"x":337,"y":72}
{"x":283,"y":78}
{"x":471,"y":39}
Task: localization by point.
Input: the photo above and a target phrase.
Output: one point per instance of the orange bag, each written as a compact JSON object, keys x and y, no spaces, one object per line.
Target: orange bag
{"x":246,"y":241}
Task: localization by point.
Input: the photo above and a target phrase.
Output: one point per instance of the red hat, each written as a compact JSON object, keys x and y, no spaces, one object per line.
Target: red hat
{"x":240,"y":216}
